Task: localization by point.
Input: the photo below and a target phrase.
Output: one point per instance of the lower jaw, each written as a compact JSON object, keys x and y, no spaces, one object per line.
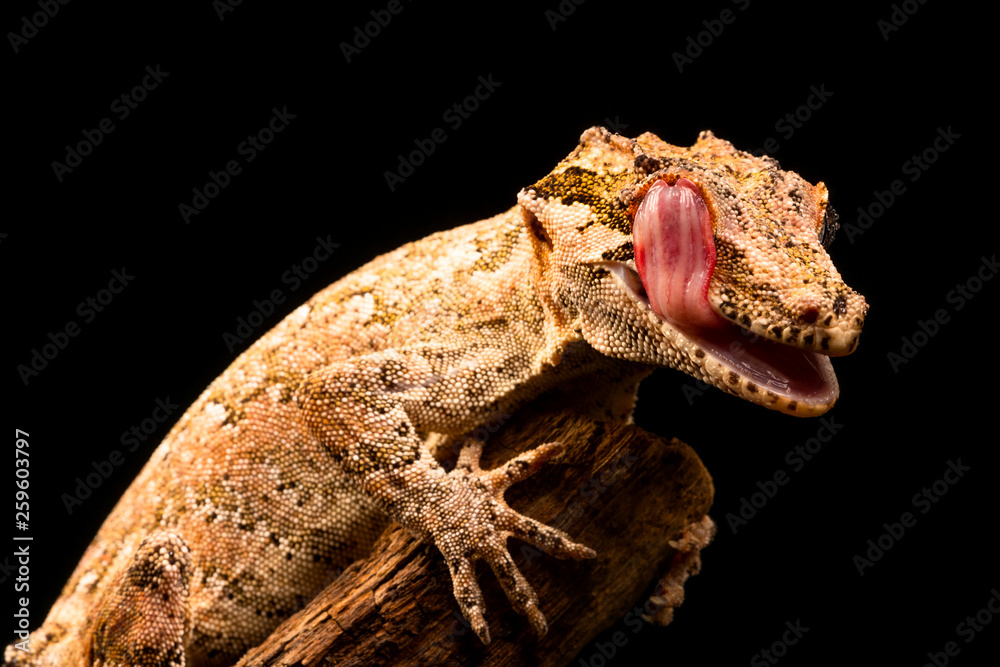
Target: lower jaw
{"x":780,"y":377}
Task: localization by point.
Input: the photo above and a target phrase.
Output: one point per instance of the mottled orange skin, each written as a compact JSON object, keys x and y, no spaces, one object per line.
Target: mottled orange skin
{"x":288,"y":466}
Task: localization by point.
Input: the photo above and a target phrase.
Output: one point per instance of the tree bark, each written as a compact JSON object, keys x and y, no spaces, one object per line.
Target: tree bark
{"x":639,"y":500}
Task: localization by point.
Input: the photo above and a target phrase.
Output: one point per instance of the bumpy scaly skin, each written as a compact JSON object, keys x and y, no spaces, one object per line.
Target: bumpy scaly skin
{"x":285,"y":468}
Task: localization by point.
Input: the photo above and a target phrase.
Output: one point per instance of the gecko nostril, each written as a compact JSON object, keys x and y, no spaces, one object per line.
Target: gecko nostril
{"x":809,"y":315}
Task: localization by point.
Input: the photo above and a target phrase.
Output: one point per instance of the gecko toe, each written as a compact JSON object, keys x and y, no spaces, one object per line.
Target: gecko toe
{"x":521,"y":466}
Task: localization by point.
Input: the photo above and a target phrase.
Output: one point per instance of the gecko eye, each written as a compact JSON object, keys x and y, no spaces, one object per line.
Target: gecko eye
{"x":831,"y":223}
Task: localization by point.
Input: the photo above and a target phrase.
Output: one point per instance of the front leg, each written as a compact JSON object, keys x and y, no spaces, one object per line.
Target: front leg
{"x":367,"y":412}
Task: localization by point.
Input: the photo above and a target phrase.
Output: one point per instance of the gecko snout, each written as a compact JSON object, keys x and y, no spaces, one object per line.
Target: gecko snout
{"x":826,"y":321}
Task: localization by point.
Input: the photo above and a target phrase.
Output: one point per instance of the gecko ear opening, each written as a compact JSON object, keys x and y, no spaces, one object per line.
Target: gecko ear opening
{"x":675,"y":254}
{"x":534,"y":226}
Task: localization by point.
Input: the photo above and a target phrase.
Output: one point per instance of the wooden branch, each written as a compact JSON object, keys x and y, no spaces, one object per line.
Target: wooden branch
{"x":640,"y":501}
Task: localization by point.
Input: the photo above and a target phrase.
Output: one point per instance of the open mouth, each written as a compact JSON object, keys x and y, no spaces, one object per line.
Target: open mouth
{"x":760,"y":365}
{"x":675,"y":258}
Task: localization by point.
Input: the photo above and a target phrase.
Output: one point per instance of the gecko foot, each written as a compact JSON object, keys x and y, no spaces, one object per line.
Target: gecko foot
{"x":669,"y":593}
{"x":480,"y":521}
{"x":144,"y":618}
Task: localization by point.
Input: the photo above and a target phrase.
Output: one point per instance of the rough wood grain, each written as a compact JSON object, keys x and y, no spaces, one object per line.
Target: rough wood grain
{"x":618,"y":489}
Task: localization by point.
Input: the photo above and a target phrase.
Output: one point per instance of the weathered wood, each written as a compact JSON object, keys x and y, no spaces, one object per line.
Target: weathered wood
{"x":618,"y":489}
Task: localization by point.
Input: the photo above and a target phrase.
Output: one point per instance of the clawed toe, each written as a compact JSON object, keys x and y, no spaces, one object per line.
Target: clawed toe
{"x":489,"y":538}
{"x":521,"y":467}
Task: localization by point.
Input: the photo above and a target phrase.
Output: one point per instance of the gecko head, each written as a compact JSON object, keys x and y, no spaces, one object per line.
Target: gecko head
{"x":724,"y":263}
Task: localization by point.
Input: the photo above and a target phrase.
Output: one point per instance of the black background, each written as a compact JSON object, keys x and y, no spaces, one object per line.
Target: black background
{"x":606,"y":63}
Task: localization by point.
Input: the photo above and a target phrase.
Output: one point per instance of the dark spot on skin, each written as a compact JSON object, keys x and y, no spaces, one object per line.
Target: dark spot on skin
{"x":699,"y":353}
{"x":825,"y":343}
{"x":745,"y":320}
{"x":733,"y":377}
{"x":751,"y":387}
{"x":646,"y":164}
{"x":826,"y":322}
{"x":386,"y":376}
{"x":623,"y":252}
{"x":808,"y":340}
{"x":596,"y":273}
{"x":776,"y":331}
{"x":792,"y":406}
{"x":840,"y":304}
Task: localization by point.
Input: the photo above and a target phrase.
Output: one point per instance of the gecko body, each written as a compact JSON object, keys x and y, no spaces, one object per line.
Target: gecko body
{"x":631,"y":254}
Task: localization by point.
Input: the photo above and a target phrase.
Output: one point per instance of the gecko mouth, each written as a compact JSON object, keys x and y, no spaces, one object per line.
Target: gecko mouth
{"x":675,"y":258}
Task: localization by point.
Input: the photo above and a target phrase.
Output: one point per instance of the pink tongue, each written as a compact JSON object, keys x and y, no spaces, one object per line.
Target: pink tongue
{"x":675,"y":253}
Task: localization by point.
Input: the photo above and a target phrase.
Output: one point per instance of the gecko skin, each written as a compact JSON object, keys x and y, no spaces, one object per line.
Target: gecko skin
{"x":631,"y":254}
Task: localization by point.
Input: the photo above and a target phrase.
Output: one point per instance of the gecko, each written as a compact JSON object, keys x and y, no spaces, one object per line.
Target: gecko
{"x":630,"y":255}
